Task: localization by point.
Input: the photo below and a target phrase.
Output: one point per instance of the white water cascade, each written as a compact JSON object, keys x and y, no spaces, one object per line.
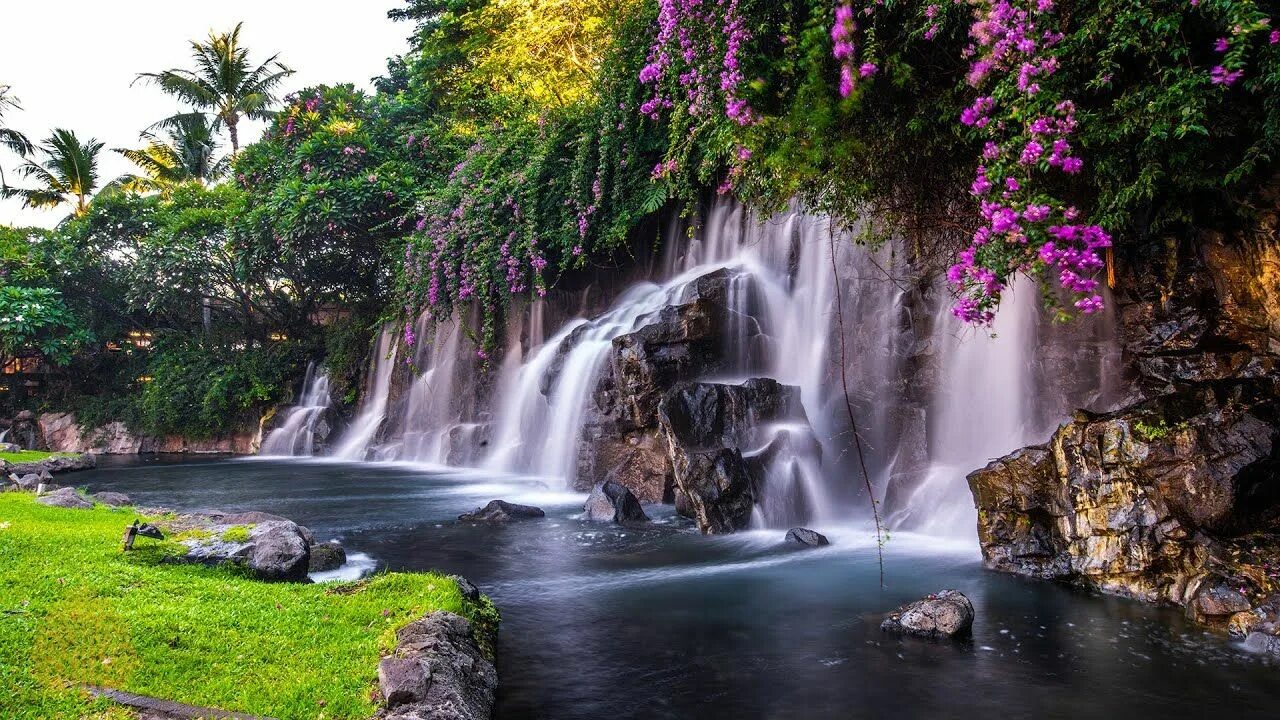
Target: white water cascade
{"x":934,"y":399}
{"x":296,"y":435}
{"x":357,"y":442}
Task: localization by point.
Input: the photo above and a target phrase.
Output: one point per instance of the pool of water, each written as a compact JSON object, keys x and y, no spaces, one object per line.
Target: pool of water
{"x":609,"y":622}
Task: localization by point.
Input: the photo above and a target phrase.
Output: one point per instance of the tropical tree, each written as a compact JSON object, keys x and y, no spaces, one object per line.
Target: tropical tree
{"x":224,"y":83}
{"x":9,"y":137}
{"x":186,"y":153}
{"x":68,"y":174}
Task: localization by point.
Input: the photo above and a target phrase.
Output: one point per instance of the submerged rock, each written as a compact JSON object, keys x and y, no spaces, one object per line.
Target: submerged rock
{"x":1263,"y":642}
{"x":325,"y":557}
{"x":806,"y":537}
{"x":943,"y":615}
{"x":437,"y":672}
{"x":500,"y":511}
{"x":65,"y":498}
{"x":611,"y":502}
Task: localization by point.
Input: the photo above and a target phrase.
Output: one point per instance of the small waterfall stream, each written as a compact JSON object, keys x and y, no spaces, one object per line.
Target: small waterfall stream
{"x":296,"y":435}
{"x":935,"y":399}
{"x":357,"y":443}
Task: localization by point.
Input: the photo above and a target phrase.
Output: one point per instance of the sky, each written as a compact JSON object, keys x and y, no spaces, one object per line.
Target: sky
{"x":70,"y":63}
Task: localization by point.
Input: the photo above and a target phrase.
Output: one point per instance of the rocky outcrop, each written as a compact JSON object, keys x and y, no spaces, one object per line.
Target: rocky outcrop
{"x":437,"y":672}
{"x":612,"y":502}
{"x":501,"y":511}
{"x":61,"y":433}
{"x":112,"y":499}
{"x":947,"y":614}
{"x":1172,"y":499}
{"x":706,"y":426}
{"x":622,"y":440}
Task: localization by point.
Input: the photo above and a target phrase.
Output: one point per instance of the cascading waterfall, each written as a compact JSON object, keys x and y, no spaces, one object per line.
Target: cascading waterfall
{"x":935,"y":399}
{"x":357,"y":442}
{"x":296,"y":435}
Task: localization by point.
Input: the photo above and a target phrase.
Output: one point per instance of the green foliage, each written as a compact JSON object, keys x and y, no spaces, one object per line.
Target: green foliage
{"x":29,"y":456}
{"x":197,"y":388}
{"x":77,"y":610}
{"x":237,"y":534}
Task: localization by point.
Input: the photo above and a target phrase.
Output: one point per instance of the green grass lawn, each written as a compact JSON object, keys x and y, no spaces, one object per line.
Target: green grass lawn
{"x":75,"y":609}
{"x":26,"y":456}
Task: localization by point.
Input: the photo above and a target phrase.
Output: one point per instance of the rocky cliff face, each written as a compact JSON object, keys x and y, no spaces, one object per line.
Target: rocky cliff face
{"x":1175,"y":497}
{"x":59,"y":432}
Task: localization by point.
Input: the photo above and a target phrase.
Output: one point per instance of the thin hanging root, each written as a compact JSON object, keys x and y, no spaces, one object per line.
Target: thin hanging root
{"x":848,"y":406}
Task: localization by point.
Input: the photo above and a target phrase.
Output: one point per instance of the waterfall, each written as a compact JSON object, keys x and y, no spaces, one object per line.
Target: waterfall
{"x":357,"y":441}
{"x":934,"y":399}
{"x":296,"y":435}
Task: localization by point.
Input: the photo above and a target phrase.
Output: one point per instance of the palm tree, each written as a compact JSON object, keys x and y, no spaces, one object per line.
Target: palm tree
{"x":9,"y":137}
{"x":224,"y":83}
{"x":187,"y":153}
{"x":69,"y":173}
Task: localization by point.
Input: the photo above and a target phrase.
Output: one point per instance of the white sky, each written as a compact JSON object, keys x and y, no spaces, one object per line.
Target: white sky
{"x":70,"y":62}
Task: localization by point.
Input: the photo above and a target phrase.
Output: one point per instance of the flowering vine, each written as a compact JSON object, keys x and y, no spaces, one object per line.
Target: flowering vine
{"x":687,"y":29}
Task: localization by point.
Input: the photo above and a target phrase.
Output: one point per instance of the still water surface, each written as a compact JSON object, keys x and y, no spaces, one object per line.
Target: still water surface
{"x":604,"y":622}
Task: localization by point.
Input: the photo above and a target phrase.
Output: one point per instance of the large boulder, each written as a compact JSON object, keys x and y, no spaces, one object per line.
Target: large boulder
{"x":946,"y":614}
{"x":273,"y":550}
{"x":113,"y":499}
{"x":501,"y":511}
{"x":65,"y":498}
{"x":611,"y":502}
{"x":437,"y":672}
{"x":1147,"y":501}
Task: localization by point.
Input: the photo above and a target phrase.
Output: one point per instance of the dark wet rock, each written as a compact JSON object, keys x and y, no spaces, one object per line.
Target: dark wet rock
{"x":469,"y":591}
{"x":113,"y":499}
{"x":1155,"y":501}
{"x":706,"y":426}
{"x":1263,"y":642}
{"x":943,"y":615}
{"x":806,"y":537}
{"x":325,"y":557}
{"x":611,"y":502}
{"x":437,"y":672}
{"x":500,"y":511}
{"x":65,"y":498}
{"x":50,"y":465}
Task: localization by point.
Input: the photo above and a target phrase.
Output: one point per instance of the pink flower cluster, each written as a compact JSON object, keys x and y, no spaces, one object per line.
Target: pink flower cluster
{"x":844,"y":49}
{"x":1023,"y":230}
{"x":687,"y":29}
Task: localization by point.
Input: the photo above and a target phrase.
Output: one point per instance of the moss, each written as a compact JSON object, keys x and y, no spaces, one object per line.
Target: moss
{"x":30,"y":456}
{"x":237,"y":534}
{"x":74,"y":609}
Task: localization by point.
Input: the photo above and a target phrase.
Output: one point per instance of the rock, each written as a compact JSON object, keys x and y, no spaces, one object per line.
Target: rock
{"x":254,"y":517}
{"x":1218,"y":600}
{"x":806,"y":537}
{"x":65,"y":498}
{"x":611,"y":502}
{"x":1145,"y":501}
{"x":6,"y":447}
{"x":114,"y":499}
{"x":500,"y":511}
{"x":1262,"y":642}
{"x":946,"y":614}
{"x":273,"y":550}
{"x":468,"y":590}
{"x":29,"y":482}
{"x":437,"y":672}
{"x":706,"y":426}
{"x":403,"y":681}
{"x":279,"y":551}
{"x":325,"y":557}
